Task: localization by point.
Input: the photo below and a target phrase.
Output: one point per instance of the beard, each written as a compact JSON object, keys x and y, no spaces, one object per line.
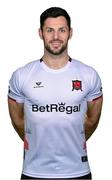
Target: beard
{"x":57,"y":51}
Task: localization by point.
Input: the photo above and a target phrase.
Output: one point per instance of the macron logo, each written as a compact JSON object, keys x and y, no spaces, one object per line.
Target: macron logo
{"x":38,"y":85}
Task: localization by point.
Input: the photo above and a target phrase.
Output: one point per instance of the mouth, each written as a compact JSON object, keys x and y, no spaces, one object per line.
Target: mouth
{"x":56,"y":44}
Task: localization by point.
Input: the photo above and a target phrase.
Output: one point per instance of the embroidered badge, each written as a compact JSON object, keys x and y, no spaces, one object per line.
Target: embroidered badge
{"x":76,"y":85}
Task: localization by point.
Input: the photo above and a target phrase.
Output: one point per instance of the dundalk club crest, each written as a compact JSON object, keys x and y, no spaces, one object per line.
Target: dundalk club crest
{"x":76,"y":85}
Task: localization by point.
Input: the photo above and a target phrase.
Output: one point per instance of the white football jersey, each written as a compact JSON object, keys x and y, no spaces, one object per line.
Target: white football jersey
{"x":55,"y":104}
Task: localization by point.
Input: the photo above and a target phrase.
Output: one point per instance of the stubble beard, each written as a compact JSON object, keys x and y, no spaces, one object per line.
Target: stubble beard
{"x":56,"y":52}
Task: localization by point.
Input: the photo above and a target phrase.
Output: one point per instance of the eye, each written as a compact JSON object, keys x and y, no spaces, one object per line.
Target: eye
{"x":50,"y":30}
{"x":62,"y":30}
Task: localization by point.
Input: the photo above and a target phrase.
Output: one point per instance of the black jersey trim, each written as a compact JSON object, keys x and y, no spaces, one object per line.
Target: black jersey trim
{"x":70,"y":59}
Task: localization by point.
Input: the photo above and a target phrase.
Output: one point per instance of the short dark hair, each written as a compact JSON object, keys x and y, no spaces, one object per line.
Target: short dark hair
{"x":54,"y":12}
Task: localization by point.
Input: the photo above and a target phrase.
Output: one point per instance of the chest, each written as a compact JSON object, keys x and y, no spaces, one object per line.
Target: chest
{"x":44,"y":88}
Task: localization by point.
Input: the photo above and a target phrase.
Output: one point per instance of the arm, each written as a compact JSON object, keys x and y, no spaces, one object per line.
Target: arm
{"x":93,"y":116}
{"x":17,"y":116}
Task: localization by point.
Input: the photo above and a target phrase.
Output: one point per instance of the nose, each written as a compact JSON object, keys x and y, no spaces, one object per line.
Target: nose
{"x":56,"y":35}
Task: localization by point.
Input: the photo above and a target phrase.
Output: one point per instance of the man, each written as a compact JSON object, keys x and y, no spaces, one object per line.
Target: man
{"x":55,"y":105}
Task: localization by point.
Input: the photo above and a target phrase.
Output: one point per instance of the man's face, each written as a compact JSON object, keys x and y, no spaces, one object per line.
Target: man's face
{"x":55,"y":35}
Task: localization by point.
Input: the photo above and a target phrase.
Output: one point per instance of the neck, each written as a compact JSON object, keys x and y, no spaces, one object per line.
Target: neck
{"x":56,"y":62}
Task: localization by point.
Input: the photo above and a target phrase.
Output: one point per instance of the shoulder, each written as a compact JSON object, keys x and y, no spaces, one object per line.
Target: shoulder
{"x":82,"y":65}
{"x":20,"y":75}
{"x":26,"y":69}
{"x":84,"y":69}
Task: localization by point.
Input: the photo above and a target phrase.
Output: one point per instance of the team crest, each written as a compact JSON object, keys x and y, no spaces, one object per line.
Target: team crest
{"x":76,"y":85}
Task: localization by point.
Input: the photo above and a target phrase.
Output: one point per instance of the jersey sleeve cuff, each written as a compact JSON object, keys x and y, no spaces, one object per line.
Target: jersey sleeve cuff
{"x":16,"y":99}
{"x":95,"y":98}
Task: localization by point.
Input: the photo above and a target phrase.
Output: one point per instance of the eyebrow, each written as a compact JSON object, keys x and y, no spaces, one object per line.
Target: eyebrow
{"x":63,"y":27}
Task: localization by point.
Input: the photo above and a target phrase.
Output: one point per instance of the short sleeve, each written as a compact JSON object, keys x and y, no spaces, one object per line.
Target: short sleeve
{"x":95,"y":86}
{"x":15,"y":87}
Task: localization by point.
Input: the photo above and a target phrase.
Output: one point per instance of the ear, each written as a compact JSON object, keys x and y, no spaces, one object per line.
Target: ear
{"x":71,"y":33}
{"x":40,"y":33}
